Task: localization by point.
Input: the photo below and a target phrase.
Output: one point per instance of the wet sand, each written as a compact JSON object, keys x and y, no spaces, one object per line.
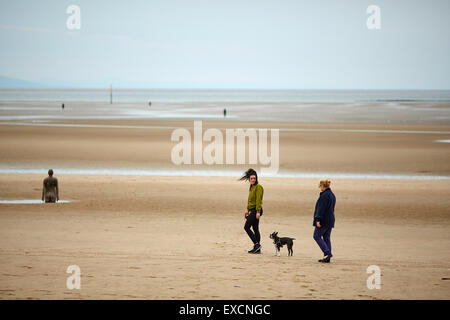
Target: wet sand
{"x":357,"y":112}
{"x":330,"y":148}
{"x":172,"y":237}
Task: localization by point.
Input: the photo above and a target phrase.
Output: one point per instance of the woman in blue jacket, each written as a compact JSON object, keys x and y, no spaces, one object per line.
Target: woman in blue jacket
{"x":324,"y":219}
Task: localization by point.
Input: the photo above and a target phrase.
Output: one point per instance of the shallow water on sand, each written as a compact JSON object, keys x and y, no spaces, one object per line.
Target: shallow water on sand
{"x":387,"y":112}
{"x":218,"y":173}
{"x":28,"y":201}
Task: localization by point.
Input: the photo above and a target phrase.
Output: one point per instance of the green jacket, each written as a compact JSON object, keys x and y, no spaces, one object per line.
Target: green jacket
{"x":255,"y":197}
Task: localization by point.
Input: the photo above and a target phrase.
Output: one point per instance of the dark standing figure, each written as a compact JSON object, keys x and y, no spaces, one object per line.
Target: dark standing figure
{"x":62,"y":107}
{"x":254,"y":209}
{"x":224,"y":113}
{"x":324,"y":219}
{"x":50,"y":188}
{"x":149,"y":103}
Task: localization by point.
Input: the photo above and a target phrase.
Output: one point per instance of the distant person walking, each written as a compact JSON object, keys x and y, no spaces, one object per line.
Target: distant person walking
{"x":50,"y":191}
{"x":62,"y":106}
{"x":324,"y":219}
{"x":224,"y":113}
{"x":254,"y":209}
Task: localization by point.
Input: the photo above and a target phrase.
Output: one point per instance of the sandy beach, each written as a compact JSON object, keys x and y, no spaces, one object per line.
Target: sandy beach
{"x":181,"y":237}
{"x":154,"y":116}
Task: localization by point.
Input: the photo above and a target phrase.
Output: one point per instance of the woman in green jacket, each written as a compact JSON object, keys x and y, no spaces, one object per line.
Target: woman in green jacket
{"x":254,"y":209}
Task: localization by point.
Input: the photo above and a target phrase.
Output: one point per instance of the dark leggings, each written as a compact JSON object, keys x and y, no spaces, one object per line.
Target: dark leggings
{"x":254,"y":223}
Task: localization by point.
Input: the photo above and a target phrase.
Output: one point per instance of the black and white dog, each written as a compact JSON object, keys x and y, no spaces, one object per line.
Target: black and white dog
{"x":280,"y":242}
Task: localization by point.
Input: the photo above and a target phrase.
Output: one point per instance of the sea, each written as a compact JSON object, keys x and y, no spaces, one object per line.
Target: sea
{"x":145,"y":96}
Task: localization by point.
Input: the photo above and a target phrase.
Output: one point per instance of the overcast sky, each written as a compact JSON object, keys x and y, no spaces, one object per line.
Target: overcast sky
{"x":277,"y":44}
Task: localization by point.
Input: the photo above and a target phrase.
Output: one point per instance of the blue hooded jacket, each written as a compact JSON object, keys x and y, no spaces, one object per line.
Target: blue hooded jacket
{"x":324,"y":211}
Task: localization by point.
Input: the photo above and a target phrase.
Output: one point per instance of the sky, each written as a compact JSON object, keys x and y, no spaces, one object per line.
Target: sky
{"x":228,"y":44}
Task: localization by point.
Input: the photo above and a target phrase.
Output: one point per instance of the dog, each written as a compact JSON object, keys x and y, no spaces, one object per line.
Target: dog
{"x":280,"y":242}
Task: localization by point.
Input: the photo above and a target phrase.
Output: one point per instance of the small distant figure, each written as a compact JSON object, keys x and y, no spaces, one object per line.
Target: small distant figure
{"x":224,"y":112}
{"x":149,"y":103}
{"x":62,"y":106}
{"x":50,"y":191}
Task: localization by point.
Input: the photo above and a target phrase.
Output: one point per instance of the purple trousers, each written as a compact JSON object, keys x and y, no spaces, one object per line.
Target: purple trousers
{"x":322,"y":237}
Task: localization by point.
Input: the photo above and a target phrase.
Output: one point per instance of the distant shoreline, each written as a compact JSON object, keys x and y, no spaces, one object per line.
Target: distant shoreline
{"x":222,"y":95}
